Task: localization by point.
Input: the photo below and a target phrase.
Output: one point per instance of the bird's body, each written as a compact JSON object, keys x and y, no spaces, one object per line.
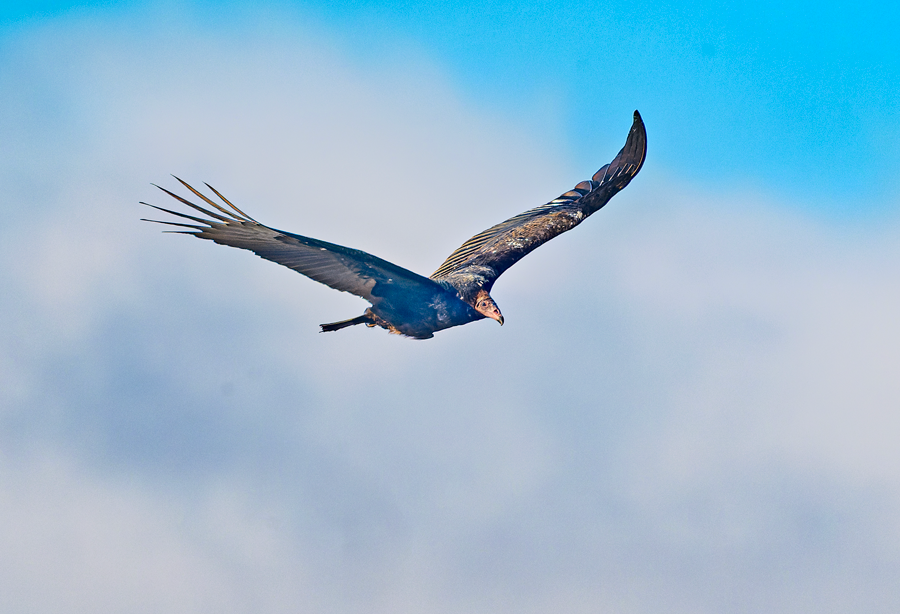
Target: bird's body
{"x":405,"y":302}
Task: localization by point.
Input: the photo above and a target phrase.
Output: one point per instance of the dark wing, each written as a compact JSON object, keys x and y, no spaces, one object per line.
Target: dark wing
{"x":501,"y":246}
{"x":341,"y":268}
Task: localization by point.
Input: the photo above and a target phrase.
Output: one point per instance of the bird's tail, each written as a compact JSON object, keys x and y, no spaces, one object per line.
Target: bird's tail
{"x":363,"y":319}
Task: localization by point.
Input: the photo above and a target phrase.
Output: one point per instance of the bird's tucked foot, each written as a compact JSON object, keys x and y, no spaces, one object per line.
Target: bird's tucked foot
{"x":363,"y":319}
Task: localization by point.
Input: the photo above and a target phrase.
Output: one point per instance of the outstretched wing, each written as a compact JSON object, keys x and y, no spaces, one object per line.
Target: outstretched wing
{"x":501,"y":246}
{"x":342,"y":268}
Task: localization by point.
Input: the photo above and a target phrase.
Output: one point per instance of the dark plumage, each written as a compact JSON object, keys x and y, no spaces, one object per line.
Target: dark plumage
{"x":402,"y":301}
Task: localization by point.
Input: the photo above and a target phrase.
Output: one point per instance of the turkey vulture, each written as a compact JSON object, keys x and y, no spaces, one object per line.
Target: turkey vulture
{"x":404,"y":302}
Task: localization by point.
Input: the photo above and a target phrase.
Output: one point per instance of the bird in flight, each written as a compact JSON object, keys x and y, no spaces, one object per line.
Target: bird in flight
{"x":403,"y":302}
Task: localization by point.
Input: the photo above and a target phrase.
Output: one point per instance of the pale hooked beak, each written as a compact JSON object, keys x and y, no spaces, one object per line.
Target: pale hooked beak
{"x":494,"y":314}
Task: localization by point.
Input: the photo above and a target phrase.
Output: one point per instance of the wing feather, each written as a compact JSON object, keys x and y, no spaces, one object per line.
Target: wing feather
{"x":504,"y":244}
{"x":342,"y":268}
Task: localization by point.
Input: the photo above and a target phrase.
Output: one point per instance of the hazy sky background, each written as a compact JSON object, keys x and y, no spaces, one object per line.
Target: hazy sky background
{"x":694,"y":403}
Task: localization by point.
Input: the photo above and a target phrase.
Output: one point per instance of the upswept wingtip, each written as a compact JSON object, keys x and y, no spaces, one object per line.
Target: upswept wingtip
{"x":629,"y":160}
{"x":637,"y":142}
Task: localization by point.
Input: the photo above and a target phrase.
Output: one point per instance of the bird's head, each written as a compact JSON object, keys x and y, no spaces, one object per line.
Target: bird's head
{"x":486,"y":306}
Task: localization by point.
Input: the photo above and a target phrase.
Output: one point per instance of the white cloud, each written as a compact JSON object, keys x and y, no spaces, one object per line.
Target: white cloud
{"x":690,"y":408}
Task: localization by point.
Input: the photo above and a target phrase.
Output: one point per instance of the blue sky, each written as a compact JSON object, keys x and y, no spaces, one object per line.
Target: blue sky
{"x":691,"y":407}
{"x":777,"y":95}
{"x":792,"y":98}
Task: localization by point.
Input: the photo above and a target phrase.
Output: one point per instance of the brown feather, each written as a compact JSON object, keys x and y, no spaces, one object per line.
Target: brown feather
{"x":501,"y":246}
